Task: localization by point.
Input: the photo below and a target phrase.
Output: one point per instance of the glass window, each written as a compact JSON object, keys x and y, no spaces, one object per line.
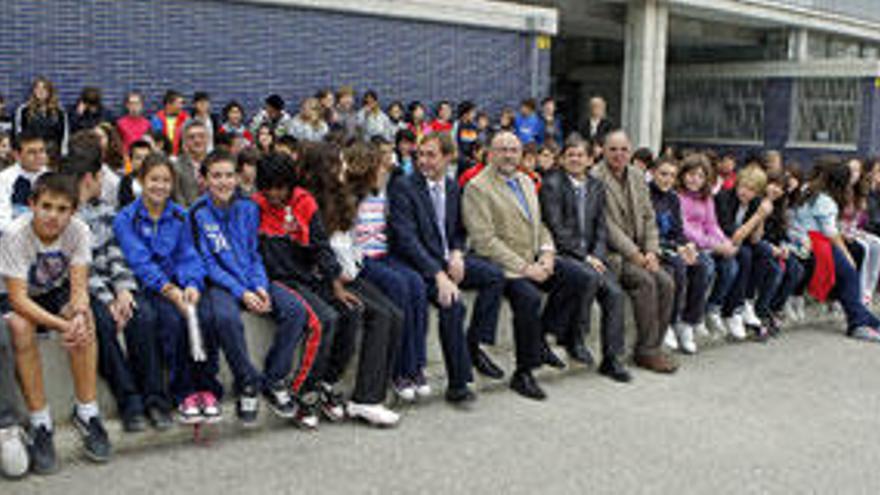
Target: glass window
{"x":827,"y":111}
{"x":715,"y":109}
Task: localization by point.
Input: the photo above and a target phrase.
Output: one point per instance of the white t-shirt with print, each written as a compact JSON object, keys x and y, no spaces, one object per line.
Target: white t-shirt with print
{"x":45,"y":266}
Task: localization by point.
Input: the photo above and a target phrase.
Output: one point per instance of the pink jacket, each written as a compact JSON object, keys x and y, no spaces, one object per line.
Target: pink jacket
{"x":699,"y":221}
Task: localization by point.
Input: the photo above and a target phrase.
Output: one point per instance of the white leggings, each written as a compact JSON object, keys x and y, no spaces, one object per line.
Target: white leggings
{"x":870,"y":274}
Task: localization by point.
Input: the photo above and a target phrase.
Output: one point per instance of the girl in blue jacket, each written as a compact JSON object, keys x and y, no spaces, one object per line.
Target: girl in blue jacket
{"x":225,"y":225}
{"x":156,"y":238}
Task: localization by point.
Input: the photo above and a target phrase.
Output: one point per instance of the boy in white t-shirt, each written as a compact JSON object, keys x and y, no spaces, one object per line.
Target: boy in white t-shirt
{"x":44,"y":261}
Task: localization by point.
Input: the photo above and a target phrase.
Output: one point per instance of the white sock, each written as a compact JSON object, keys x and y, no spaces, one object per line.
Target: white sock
{"x":87,"y":411}
{"x":42,"y":418}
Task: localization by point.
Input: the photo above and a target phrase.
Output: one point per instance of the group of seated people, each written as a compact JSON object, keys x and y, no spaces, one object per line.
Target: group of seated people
{"x":339,"y":244}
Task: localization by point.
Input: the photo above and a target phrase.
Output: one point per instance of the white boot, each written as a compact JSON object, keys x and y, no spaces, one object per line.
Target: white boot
{"x":735,"y":327}
{"x":700,"y":330}
{"x":716,"y":323}
{"x":685,"y":334}
{"x":800,"y":308}
{"x":748,"y":315}
{"x":669,"y":340}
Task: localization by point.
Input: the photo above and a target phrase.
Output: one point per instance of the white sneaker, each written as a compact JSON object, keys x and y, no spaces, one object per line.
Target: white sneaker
{"x":13,"y":453}
{"x":423,"y":390}
{"x":670,"y":340}
{"x":748,"y":315}
{"x":735,"y":327}
{"x":405,"y":390}
{"x":700,"y":330}
{"x":716,"y":323}
{"x":799,"y":305}
{"x":791,"y":315}
{"x":374,"y":414}
{"x":685,"y":334}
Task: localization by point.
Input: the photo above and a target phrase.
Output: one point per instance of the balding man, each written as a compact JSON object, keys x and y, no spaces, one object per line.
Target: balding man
{"x":634,"y":242}
{"x":503,"y":219}
{"x":598,"y":126}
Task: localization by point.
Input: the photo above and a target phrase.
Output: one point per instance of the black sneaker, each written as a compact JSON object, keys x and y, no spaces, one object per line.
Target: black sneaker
{"x":160,"y":417}
{"x":96,"y":443}
{"x":331,"y":403}
{"x":134,"y":422}
{"x":279,"y":400}
{"x":248,"y":407}
{"x":304,"y":415}
{"x":42,"y":451}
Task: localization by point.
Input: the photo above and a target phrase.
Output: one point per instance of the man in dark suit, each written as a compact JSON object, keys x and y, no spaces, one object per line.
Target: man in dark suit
{"x":427,"y":233}
{"x":573,"y":207}
{"x":598,"y":126}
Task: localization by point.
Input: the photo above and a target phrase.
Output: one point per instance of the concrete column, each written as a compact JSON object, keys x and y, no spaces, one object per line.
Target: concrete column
{"x":644,"y":71}
{"x":798,"y":45}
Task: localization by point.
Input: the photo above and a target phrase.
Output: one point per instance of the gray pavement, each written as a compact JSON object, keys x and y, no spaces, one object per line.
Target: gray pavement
{"x":798,"y":415}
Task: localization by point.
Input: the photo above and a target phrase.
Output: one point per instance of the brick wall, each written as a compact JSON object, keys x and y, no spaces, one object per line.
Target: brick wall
{"x":246,"y":51}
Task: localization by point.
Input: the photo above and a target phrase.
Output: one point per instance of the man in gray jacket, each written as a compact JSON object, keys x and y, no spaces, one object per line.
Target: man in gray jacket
{"x":635,"y":246}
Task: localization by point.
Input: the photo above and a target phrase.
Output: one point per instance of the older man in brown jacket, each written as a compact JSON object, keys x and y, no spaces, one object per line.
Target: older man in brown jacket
{"x":502,"y":215}
{"x":634,"y":241}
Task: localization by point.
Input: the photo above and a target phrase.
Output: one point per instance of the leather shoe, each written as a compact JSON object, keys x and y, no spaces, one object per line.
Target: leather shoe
{"x":579,"y":352}
{"x":524,"y":383}
{"x":460,"y":396}
{"x":551,"y":359}
{"x":658,"y":363}
{"x":614,"y":369}
{"x":484,"y":364}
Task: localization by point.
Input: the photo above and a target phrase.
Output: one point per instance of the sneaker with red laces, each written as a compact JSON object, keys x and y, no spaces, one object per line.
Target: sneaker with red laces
{"x":190,"y":410}
{"x":210,"y":407}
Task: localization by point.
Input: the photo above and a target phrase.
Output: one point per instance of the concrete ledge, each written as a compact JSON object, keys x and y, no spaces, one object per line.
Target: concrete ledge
{"x":259,"y":335}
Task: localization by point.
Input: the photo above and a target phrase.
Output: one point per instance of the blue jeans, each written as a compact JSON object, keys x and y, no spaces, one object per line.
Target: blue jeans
{"x":791,"y":279}
{"x":406,"y":289}
{"x":288,"y":313}
{"x":725,"y":271}
{"x":847,"y":291}
{"x":171,"y":342}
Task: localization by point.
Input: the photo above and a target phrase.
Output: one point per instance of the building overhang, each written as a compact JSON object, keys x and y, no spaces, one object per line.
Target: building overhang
{"x":477,"y":13}
{"x":783,"y":14}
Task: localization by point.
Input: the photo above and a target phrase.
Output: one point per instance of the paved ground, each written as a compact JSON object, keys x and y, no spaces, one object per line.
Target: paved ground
{"x":798,"y":415}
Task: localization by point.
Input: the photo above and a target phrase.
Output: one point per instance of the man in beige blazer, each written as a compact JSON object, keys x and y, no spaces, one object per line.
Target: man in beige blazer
{"x":502,"y":215}
{"x":634,"y":243}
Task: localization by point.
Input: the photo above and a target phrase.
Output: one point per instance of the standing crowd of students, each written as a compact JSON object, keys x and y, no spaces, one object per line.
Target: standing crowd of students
{"x":342,"y":226}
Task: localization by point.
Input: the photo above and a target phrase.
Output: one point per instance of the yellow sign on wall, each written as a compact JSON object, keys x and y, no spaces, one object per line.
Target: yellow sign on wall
{"x":544,"y":43}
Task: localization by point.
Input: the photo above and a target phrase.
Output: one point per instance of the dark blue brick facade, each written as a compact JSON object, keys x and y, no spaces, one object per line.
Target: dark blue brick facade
{"x":246,"y":51}
{"x":778,"y":110}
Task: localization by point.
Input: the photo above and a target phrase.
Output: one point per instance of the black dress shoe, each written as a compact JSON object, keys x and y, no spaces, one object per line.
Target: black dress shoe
{"x":484,"y":364}
{"x":551,"y":359}
{"x":579,"y":352}
{"x":134,"y":422}
{"x":460,"y":396}
{"x":525,"y":384}
{"x":614,"y":369}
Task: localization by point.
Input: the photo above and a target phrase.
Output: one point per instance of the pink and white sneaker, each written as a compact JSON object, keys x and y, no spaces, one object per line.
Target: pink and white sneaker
{"x":190,"y":410}
{"x":210,"y":407}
